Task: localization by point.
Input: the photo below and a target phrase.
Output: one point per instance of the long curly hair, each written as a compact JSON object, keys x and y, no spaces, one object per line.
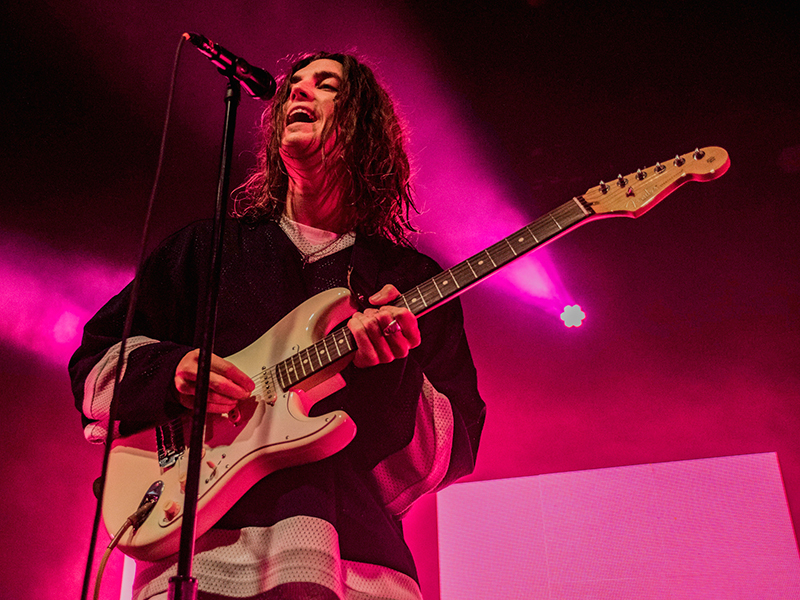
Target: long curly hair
{"x":370,"y":140}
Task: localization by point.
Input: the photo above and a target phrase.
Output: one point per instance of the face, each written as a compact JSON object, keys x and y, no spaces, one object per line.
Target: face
{"x":309,"y":108}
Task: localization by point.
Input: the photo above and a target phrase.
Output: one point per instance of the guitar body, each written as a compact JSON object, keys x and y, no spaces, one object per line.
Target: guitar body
{"x":269,"y":431}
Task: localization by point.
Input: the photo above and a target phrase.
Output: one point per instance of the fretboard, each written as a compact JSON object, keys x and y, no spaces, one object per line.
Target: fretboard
{"x":440,"y":288}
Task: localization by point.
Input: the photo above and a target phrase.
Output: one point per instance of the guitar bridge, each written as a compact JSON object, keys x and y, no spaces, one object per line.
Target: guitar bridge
{"x":268,"y":379}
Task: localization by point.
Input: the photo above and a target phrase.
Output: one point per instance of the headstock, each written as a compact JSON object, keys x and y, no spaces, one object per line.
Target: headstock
{"x":635,"y":194}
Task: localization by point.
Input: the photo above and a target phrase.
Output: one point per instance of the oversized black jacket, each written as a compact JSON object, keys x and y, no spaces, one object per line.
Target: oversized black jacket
{"x":263,"y":279}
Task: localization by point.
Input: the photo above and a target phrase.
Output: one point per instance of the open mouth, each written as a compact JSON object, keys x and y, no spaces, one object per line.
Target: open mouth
{"x":300,"y":115}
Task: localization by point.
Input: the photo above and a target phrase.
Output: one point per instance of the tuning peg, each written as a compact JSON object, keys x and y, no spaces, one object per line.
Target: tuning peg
{"x":603,"y":187}
{"x":621,"y":181}
{"x":659,"y":168}
{"x":679,"y":161}
{"x":698,"y":154}
{"x":640,"y":174}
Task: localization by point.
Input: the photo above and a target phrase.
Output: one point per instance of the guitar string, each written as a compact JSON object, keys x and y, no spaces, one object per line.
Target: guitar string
{"x":431,"y":290}
{"x":427,"y":292}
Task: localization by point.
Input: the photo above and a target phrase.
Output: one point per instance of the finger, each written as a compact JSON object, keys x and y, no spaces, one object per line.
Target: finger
{"x":233,"y":373}
{"x":388,"y":347}
{"x":220,"y":404}
{"x":403,"y":325}
{"x":373,"y":348}
{"x":217,"y":384}
{"x":409,"y":328}
{"x":216,"y":403}
{"x":227,"y":388}
{"x":396,"y":339}
{"x":366,"y":353}
{"x":222,"y":373}
{"x":386,"y":294}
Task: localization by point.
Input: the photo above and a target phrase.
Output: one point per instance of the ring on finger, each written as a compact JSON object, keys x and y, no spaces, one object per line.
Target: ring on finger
{"x":391,"y":328}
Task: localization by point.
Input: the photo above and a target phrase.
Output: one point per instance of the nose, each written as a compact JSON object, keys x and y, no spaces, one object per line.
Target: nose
{"x":301,"y":90}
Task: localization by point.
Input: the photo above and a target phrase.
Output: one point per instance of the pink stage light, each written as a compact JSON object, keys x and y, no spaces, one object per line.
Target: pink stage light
{"x":573,"y":316}
{"x":474,"y":207}
{"x":47,"y":297}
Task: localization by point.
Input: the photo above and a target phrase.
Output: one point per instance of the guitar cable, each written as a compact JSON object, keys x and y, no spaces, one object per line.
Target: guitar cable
{"x":136,"y":519}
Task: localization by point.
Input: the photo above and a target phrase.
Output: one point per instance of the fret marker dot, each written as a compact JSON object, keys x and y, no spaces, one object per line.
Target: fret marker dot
{"x":522,"y":239}
{"x":291,"y":368}
{"x":444,"y":282}
{"x":413,"y":300}
{"x":480,"y":262}
{"x":305,"y":360}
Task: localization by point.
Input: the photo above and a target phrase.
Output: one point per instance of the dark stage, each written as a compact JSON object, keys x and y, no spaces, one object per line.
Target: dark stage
{"x":690,"y":346}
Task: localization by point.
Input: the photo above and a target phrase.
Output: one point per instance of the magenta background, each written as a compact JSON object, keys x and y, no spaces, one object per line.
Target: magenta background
{"x":691,"y":344}
{"x":710,"y":528}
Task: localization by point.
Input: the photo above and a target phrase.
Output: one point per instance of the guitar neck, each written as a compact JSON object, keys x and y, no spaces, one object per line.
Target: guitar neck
{"x":456,"y":280}
{"x":440,"y":288}
{"x":629,"y":196}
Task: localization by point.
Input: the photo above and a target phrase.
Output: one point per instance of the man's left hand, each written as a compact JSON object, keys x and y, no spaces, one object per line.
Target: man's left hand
{"x":385,"y":333}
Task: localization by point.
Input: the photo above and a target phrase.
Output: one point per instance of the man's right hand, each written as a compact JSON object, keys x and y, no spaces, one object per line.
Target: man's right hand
{"x":227,"y":383}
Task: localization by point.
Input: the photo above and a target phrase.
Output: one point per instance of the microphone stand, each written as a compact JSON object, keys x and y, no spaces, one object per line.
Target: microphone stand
{"x":184,"y":586}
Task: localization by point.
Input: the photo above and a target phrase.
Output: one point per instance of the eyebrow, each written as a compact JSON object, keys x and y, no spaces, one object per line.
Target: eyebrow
{"x":318,"y":76}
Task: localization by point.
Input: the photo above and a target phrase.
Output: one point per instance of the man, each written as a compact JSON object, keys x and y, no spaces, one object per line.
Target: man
{"x":327,"y":207}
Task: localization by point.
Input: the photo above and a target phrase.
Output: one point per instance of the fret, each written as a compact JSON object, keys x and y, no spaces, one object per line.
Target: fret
{"x":328,"y":356}
{"x":453,"y":276}
{"x":471,"y":269}
{"x":554,"y":221}
{"x":499,"y":254}
{"x":280,"y":370}
{"x":430,"y":293}
{"x":438,"y":291}
{"x":290,"y":372}
{"x":443,"y":282}
{"x":347,"y":336}
{"x":292,"y":376}
{"x":325,"y":357}
{"x":335,"y":344}
{"x":511,"y":247}
{"x":490,"y":256}
{"x":535,"y":239}
{"x":316,"y":350}
{"x":321,"y":353}
{"x":300,"y":364}
{"x":327,"y":341}
{"x":414,"y":300}
{"x":310,"y":358}
{"x":481,"y":265}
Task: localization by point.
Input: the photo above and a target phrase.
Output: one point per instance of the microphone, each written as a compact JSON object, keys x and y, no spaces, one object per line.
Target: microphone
{"x":257,"y":82}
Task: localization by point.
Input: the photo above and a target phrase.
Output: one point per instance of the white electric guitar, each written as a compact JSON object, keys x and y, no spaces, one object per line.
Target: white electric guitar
{"x":296,"y":363}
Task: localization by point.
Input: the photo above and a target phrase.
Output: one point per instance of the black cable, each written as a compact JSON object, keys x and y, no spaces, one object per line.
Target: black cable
{"x":127,"y":330}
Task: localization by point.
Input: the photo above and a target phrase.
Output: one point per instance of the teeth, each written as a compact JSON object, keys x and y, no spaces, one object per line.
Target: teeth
{"x":293,"y":114}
